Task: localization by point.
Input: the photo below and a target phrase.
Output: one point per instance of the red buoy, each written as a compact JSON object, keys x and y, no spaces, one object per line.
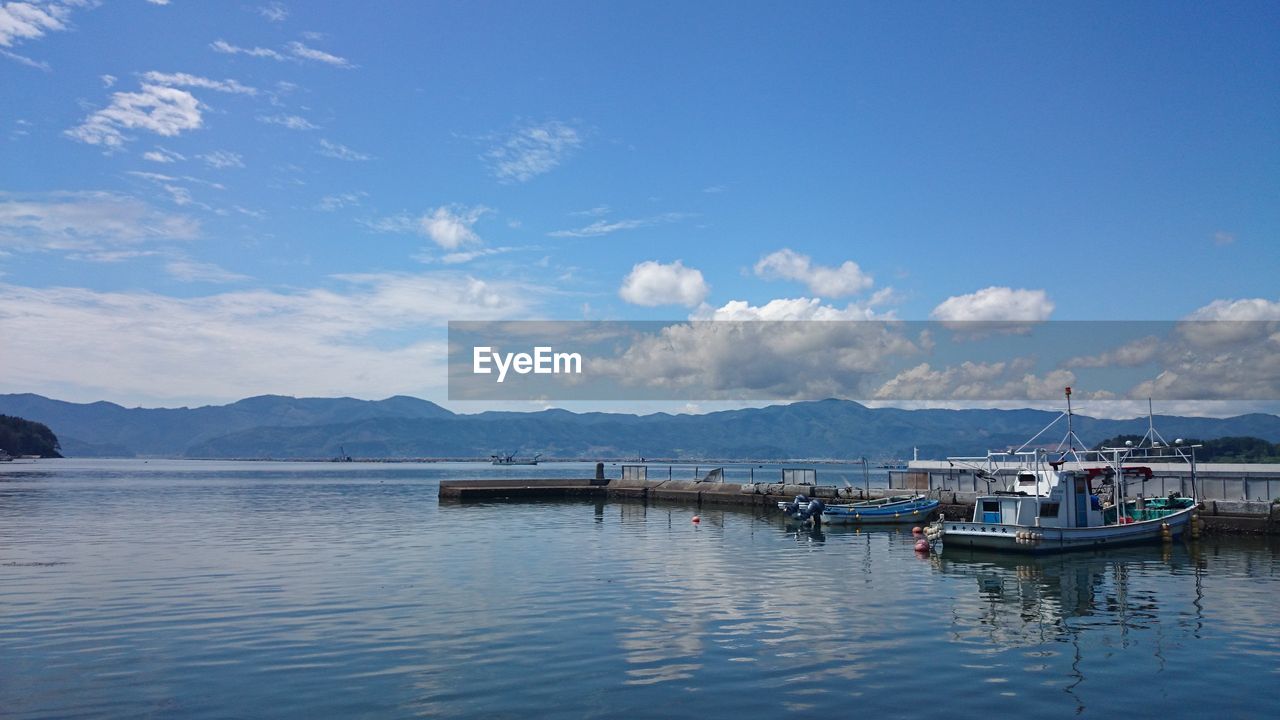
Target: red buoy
{"x":917,"y":530}
{"x":922,"y":545}
{"x":696,"y":519}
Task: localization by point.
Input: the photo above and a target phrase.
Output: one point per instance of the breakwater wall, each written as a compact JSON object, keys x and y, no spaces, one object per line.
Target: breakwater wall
{"x":1221,"y":516}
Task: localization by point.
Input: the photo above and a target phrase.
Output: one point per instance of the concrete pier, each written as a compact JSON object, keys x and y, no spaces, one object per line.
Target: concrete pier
{"x":1220,"y":516}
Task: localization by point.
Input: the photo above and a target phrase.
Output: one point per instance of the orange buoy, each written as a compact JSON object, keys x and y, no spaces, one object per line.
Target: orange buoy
{"x":917,"y":530}
{"x":696,"y":519}
{"x":922,"y":545}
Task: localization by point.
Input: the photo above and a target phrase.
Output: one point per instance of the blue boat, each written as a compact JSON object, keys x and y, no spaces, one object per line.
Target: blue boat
{"x":882,"y":511}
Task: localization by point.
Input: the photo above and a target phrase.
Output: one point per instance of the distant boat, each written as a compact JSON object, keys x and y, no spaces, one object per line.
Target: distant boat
{"x":342,"y":455}
{"x":510,"y":459}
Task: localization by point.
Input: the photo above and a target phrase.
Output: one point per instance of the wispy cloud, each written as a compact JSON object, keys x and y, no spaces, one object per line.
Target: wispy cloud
{"x":24,"y":60}
{"x":274,"y":12}
{"x":606,"y":227}
{"x":86,"y":221}
{"x":223,"y":159}
{"x":316,"y":341}
{"x":22,"y":21}
{"x":294,"y":51}
{"x":189,"y":80}
{"x":304,"y":52}
{"x":160,"y":155}
{"x":293,"y":122}
{"x":341,"y":152}
{"x":193,"y":271}
{"x":532,"y":150}
{"x":227,"y":48}
{"x":1222,"y":237}
{"x":329,"y":203}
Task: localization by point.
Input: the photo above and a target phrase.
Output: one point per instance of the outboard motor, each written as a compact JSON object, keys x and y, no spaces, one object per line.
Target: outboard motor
{"x":795,"y":508}
{"x":814,"y":511}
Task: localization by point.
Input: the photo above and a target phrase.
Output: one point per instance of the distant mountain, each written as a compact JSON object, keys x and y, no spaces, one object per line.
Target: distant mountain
{"x":104,"y":428}
{"x":282,"y":427}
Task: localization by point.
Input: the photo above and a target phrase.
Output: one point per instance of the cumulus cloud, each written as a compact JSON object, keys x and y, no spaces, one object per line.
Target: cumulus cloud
{"x":1131,"y":354}
{"x":787,"y":264}
{"x":450,"y":226}
{"x":780,"y":309}
{"x":651,"y":283}
{"x":995,"y":304}
{"x":333,"y":341}
{"x":341,"y":152}
{"x":86,"y":221}
{"x":532,"y":150}
{"x":1007,"y":380}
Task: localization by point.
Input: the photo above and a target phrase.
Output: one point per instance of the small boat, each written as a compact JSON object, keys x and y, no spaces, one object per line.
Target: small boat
{"x":1055,"y":505}
{"x":510,"y":459}
{"x":882,"y":511}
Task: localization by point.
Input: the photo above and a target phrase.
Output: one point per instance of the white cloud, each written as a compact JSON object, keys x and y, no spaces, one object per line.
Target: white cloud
{"x":188,"y":80}
{"x":20,"y":21}
{"x":450,"y":226}
{"x":329,"y":203}
{"x":995,"y":304}
{"x":533,"y":150}
{"x":1131,"y":354}
{"x":341,"y":152}
{"x":158,"y":2}
{"x":227,"y":48}
{"x":160,"y":155}
{"x":787,"y":264}
{"x":162,"y":110}
{"x":457,"y":258}
{"x":86,"y":221}
{"x":293,"y":122}
{"x":1222,"y":237}
{"x":24,"y":60}
{"x":606,"y":227}
{"x":274,"y":11}
{"x":192,"y":271}
{"x":308,"y":53}
{"x":1247,"y":309}
{"x":369,"y":335}
{"x":223,"y":159}
{"x":651,"y":284}
{"x":108,"y":80}
{"x":1002,"y":380}
{"x":784,"y":309}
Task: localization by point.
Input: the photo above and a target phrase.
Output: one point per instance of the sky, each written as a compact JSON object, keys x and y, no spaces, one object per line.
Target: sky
{"x":206,"y":201}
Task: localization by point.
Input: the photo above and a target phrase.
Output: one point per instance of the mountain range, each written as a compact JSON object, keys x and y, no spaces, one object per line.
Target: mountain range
{"x":272,"y":426}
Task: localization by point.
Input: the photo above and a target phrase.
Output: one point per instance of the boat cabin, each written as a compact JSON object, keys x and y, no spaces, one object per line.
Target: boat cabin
{"x":1043,"y":498}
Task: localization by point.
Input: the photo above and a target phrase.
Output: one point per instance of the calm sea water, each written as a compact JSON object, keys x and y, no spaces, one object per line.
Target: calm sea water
{"x":208,"y":589}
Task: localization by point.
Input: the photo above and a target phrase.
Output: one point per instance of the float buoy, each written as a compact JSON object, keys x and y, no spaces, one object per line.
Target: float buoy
{"x":696,"y":520}
{"x":917,"y":530}
{"x":922,"y":545}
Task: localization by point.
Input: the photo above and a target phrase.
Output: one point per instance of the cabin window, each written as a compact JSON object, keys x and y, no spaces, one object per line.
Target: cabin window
{"x":1026,"y":479}
{"x":1049,"y":510}
{"x":990,"y":506}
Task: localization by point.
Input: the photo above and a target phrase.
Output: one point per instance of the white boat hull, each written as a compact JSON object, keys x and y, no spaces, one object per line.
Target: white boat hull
{"x":1013,"y":538}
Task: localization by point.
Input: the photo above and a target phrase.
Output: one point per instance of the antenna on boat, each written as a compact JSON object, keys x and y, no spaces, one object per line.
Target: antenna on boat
{"x":1070,"y":433}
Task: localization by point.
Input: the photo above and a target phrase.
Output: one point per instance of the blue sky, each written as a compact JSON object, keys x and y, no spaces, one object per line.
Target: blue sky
{"x":203,"y":201}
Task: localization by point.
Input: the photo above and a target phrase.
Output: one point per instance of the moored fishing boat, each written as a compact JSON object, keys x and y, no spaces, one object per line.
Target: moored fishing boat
{"x":1055,"y":505}
{"x":882,"y":511}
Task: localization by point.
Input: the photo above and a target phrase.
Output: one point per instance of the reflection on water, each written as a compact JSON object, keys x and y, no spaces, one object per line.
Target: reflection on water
{"x":228,"y":589}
